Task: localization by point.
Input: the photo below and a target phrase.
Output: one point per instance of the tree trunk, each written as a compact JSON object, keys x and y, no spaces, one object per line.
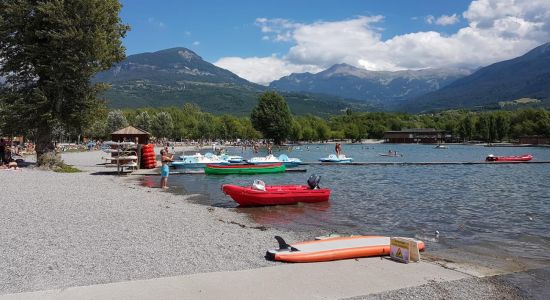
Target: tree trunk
{"x":44,"y":146}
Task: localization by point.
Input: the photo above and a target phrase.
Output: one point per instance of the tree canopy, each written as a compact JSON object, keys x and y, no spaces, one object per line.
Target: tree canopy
{"x":189,"y":122}
{"x":272,"y":117}
{"x":49,"y":51}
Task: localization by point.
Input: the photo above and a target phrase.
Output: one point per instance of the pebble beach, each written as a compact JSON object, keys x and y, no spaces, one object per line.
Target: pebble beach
{"x":60,"y":230}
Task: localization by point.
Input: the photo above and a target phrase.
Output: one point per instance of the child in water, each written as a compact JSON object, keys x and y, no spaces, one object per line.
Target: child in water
{"x":165,"y":158}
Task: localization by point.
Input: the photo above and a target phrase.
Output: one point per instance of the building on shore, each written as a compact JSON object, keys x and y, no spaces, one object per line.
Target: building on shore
{"x":131,"y":134}
{"x":415,"y":135}
{"x":534,"y":140}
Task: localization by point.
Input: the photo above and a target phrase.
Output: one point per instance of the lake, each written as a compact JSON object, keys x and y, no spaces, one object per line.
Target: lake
{"x":478,"y":205}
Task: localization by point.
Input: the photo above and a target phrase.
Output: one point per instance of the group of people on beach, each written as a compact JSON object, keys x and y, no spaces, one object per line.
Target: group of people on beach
{"x":7,"y":161}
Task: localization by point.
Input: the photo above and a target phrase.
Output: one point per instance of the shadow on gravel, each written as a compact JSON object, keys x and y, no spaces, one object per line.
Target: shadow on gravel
{"x":25,"y":164}
{"x":112,"y":173}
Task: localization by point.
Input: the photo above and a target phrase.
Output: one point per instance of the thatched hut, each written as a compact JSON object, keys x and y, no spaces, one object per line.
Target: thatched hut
{"x":131,"y":134}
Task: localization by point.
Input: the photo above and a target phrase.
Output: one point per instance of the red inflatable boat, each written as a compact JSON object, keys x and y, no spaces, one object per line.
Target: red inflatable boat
{"x":525,"y":157}
{"x":275,"y":194}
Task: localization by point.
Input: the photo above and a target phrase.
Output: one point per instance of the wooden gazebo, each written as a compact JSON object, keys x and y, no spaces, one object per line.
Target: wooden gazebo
{"x":131,"y":134}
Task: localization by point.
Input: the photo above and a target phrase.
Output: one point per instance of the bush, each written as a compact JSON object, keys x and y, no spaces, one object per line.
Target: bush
{"x":52,"y":161}
{"x":66,"y":169}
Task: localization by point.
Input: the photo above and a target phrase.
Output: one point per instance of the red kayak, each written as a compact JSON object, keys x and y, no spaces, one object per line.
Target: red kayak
{"x":275,"y":194}
{"x":525,"y":157}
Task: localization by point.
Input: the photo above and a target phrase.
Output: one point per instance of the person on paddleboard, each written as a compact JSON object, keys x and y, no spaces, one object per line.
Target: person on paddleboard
{"x":338,"y":149}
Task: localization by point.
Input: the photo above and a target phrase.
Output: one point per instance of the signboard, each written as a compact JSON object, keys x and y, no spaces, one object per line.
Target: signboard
{"x":404,"y":250}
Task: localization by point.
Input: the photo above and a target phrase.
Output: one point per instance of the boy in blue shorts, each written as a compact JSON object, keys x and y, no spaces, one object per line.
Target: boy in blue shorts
{"x":165,"y":158}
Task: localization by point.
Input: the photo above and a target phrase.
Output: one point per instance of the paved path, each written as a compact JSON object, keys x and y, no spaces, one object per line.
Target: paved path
{"x":330,"y":280}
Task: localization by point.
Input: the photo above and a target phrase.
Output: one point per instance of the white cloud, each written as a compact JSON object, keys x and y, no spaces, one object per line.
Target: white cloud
{"x":156,"y":23}
{"x":444,"y":20}
{"x":196,"y":43}
{"x":448,"y":20}
{"x":278,"y":30}
{"x":327,"y":43}
{"x":496,"y":30}
{"x":262,"y":70}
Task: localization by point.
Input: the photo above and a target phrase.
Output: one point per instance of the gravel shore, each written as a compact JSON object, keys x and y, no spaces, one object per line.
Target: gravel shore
{"x":471,"y":288}
{"x":59,"y":230}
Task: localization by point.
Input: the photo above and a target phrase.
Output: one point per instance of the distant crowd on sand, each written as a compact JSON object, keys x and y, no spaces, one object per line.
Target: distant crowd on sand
{"x":10,"y":153}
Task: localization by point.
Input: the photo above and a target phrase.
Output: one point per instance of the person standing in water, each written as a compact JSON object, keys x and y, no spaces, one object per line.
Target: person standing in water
{"x":165,"y":158}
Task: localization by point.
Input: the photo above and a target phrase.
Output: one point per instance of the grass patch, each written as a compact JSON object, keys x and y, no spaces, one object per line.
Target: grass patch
{"x":521,"y":101}
{"x":66,"y":169}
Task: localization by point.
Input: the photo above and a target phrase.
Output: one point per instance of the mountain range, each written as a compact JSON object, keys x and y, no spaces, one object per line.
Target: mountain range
{"x":175,"y":76}
{"x":382,"y":88}
{"x":527,"y":76}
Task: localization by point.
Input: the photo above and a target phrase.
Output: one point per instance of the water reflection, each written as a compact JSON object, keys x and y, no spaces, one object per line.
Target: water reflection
{"x":301,"y":213}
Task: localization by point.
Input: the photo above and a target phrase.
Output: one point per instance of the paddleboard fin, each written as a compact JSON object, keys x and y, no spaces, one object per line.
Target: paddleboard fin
{"x":283,"y":245}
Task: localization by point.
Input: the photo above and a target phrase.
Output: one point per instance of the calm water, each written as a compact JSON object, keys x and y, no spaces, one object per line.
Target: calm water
{"x":467,"y":204}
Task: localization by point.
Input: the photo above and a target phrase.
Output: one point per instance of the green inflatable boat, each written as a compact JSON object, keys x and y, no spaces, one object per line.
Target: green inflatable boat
{"x":244,"y":169}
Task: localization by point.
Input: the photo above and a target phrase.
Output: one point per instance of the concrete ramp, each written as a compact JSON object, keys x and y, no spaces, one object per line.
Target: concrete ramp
{"x":329,"y":280}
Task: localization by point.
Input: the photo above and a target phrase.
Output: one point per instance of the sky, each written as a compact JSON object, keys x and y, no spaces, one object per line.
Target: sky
{"x":264,"y":40}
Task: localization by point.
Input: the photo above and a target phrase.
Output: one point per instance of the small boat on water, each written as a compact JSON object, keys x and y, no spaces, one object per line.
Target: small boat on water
{"x":525,"y":157}
{"x":290,"y":161}
{"x":391,"y":154}
{"x":271,"y":159}
{"x":197,"y":161}
{"x":336,"y":159}
{"x":260,"y":194}
{"x":232,"y":159}
{"x":335,"y":248}
{"x":441,"y":147}
{"x":244,"y":169}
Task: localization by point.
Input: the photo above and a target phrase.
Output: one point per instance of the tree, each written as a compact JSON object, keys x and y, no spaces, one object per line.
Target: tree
{"x":323,"y":131}
{"x":248,"y":132}
{"x":272,"y":117}
{"x":162,"y":125}
{"x":98,"y":130}
{"x":143,"y":121}
{"x":502,"y":123}
{"x":355,"y":132}
{"x":295,"y":131}
{"x":466,"y":128}
{"x":50,"y":50}
{"x":230,"y":127}
{"x":115,"y":121}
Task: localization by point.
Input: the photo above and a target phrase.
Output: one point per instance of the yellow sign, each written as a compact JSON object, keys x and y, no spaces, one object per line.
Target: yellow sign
{"x":399,"y":254}
{"x":404,"y":249}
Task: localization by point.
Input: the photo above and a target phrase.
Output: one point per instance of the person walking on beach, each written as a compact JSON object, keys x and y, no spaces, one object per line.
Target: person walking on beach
{"x":165,"y":158}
